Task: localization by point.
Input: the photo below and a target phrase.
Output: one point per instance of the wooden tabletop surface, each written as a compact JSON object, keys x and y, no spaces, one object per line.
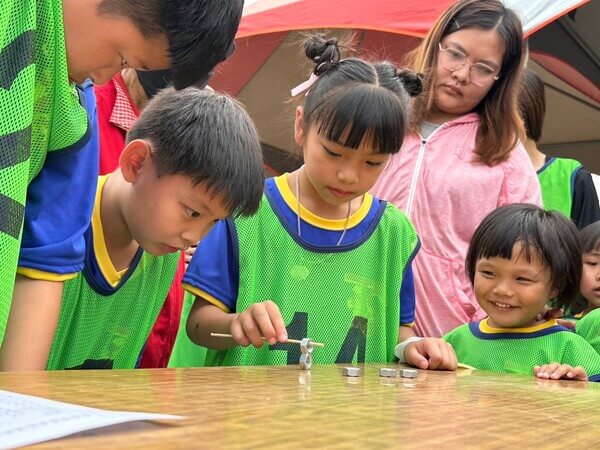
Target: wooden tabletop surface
{"x":284,"y":407}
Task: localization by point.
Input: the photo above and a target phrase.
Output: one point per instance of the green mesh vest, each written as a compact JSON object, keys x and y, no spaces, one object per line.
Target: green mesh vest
{"x":588,"y":327}
{"x":555,"y":183}
{"x":185,"y":353}
{"x":102,"y":332}
{"x":39,"y":112}
{"x":348,"y":300}
{"x":505,"y":353}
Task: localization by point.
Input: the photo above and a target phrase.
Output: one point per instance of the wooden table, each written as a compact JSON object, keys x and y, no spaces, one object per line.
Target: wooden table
{"x":284,"y":407}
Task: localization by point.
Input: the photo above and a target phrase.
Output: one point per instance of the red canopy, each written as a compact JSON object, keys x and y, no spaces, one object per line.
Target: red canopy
{"x":265,"y":65}
{"x":408,"y":17}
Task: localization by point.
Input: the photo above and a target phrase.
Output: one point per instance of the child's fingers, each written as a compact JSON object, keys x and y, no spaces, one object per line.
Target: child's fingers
{"x":447,"y":357}
{"x":413,"y":356}
{"x":577,"y":373}
{"x":539,"y":371}
{"x":550,"y":369}
{"x":262,"y":321}
{"x":560,"y":372}
{"x":277,"y":322}
{"x":437,"y":353}
{"x":237,"y":332}
{"x":270,"y":322}
{"x":545,"y":370}
{"x":250,"y":327}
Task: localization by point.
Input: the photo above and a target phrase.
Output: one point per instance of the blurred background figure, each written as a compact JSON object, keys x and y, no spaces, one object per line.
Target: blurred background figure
{"x":566,"y":185}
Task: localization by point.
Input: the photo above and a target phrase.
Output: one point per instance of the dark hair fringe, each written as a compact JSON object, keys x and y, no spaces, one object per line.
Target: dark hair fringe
{"x":208,"y":137}
{"x":547,"y":234}
{"x":590,"y":238}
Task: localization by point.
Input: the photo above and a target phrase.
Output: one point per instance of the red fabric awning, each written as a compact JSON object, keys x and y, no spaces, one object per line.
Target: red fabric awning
{"x":409,"y":17}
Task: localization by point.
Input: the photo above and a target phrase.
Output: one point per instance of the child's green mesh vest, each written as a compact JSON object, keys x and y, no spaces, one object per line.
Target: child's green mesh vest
{"x":39,"y":113}
{"x":520,"y":355}
{"x":588,"y":327}
{"x":348,"y":300}
{"x":555,"y":183}
{"x":101,"y":332}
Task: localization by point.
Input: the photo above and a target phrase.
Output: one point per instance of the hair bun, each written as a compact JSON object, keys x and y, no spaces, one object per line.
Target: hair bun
{"x":324,"y":52}
{"x":413,"y":82}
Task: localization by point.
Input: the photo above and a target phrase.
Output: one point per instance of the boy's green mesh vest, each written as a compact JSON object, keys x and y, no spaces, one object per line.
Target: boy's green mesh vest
{"x":588,"y":327}
{"x":522,"y":354}
{"x":556,"y":185}
{"x":348,"y":300}
{"x":39,"y":112}
{"x":96,"y":331}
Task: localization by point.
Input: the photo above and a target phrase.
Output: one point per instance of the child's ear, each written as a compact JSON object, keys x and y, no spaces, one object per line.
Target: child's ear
{"x":299,"y":126}
{"x":133,"y":157}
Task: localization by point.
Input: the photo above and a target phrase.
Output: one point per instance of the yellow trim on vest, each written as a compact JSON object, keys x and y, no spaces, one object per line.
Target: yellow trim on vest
{"x":45,"y":276}
{"x":110,"y":274}
{"x":327,"y":224}
{"x":484,"y":327}
{"x":205,"y":296}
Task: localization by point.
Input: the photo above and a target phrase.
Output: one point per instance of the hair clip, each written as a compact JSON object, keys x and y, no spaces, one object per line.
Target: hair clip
{"x":305,"y":85}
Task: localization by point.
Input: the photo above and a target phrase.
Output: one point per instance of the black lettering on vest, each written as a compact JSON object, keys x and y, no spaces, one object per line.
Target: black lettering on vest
{"x":355,"y":341}
{"x":297,"y":329}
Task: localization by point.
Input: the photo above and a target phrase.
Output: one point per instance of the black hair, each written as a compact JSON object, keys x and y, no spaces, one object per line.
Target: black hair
{"x":549,"y":234}
{"x":532,"y":104}
{"x":200,"y":33}
{"x":590,"y":238}
{"x":354,"y":99}
{"x":209,"y":137}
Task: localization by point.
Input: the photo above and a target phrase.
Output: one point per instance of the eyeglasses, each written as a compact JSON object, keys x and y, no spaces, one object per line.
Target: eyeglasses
{"x":452,"y":60}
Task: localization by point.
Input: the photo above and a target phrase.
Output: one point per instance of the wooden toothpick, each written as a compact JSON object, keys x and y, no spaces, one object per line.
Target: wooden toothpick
{"x":292,"y":341}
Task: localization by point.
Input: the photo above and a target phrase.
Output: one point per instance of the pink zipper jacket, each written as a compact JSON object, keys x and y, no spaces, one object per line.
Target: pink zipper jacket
{"x":446,"y":193}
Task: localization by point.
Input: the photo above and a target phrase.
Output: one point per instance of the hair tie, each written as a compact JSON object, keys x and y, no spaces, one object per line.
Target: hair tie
{"x":305,"y":85}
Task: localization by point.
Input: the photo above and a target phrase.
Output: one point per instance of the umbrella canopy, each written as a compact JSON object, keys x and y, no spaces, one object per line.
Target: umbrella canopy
{"x":268,"y":62}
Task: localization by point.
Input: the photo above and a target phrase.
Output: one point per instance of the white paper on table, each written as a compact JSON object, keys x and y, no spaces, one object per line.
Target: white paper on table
{"x":26,"y":420}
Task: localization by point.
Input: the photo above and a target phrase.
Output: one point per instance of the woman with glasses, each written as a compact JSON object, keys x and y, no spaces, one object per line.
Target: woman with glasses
{"x":463,"y":158}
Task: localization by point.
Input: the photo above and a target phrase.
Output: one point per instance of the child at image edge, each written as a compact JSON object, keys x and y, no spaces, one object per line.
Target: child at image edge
{"x":588,"y":323}
{"x":520,"y":258}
